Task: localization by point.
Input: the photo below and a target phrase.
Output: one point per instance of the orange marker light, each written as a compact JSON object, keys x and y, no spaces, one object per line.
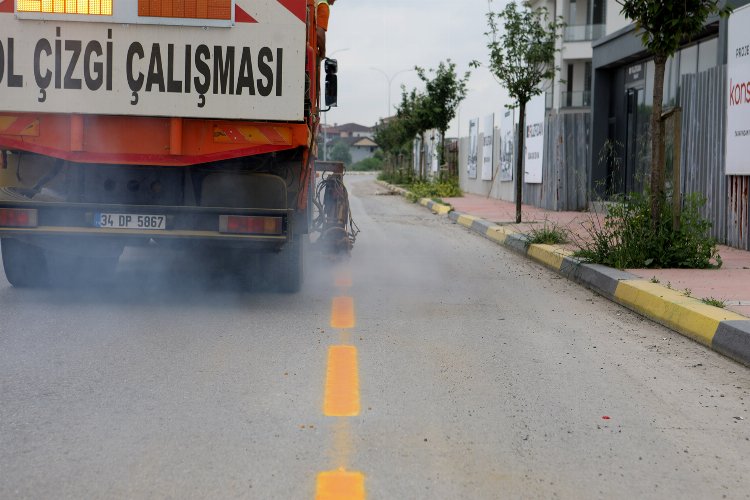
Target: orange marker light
{"x":186,"y":9}
{"x":88,"y":7}
{"x":342,"y":382}
{"x":340,"y":485}
{"x":342,"y":313}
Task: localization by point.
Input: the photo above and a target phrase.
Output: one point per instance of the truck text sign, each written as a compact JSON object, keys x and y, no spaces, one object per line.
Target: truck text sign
{"x":250,"y":72}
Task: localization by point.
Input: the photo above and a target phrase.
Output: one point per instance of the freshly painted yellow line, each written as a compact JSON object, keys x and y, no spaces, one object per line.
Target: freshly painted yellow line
{"x":549,"y":255}
{"x":343,"y":278}
{"x":342,"y":382}
{"x":466,"y":220}
{"x":340,"y":485}
{"x":673,"y":309}
{"x":342,"y":313}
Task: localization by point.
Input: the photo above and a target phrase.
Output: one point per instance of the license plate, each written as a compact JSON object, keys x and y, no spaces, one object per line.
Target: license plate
{"x":130,"y":221}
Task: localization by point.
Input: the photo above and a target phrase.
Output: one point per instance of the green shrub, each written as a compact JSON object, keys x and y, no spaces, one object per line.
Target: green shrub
{"x":367,"y":165}
{"x":436,"y":189}
{"x":397,"y":177}
{"x":626,"y":238}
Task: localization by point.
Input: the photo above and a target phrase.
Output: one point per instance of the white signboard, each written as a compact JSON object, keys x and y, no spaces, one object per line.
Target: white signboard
{"x":244,"y":71}
{"x":434,"y":151}
{"x":489,"y":138}
{"x":534,"y":140}
{"x":738,"y":105}
{"x":471,"y":164}
{"x":507,"y":145}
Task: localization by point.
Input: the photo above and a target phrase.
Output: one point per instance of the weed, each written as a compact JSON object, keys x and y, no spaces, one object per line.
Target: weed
{"x":551,"y":234}
{"x":628,"y":239}
{"x":655,"y":280}
{"x":714,"y":302}
{"x":669,"y":285}
{"x":688,"y":292}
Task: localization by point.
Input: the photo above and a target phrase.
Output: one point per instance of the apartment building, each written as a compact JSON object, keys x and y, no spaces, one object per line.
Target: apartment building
{"x":586,"y":21}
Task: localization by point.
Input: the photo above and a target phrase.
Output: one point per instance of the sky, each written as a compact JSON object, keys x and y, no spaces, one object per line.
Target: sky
{"x":374,"y":40}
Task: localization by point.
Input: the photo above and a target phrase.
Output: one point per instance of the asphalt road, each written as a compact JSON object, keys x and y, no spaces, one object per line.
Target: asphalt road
{"x":433,"y":364}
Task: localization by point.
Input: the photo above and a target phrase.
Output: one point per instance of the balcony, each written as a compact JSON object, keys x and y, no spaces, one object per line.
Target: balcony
{"x":575,"y":99}
{"x":583,"y":32}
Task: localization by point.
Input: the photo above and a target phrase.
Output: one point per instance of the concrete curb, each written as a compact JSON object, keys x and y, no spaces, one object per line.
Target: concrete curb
{"x":723,"y":331}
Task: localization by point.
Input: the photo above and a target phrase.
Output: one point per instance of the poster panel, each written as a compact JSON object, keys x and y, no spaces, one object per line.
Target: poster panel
{"x":488,"y":131}
{"x":434,"y":155}
{"x":507,"y":145}
{"x":738,"y":104}
{"x":471,"y":165}
{"x":534,"y":147}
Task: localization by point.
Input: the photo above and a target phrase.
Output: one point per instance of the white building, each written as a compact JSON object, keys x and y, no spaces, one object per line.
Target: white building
{"x":586,"y":21}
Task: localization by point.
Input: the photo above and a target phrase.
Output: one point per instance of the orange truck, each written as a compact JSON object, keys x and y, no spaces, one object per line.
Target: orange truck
{"x":157,"y":122}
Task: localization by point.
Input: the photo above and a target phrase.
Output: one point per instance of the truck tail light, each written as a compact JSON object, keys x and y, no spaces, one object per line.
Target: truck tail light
{"x":242,"y":224}
{"x":18,"y":217}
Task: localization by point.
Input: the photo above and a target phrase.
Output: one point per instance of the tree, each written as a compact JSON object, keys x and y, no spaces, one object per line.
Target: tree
{"x":340,"y":152}
{"x":522,"y":56}
{"x":444,"y":92}
{"x":413,"y":115}
{"x":664,"y":26}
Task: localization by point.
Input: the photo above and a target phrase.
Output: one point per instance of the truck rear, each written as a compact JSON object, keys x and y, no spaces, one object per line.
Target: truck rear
{"x":134,"y":122}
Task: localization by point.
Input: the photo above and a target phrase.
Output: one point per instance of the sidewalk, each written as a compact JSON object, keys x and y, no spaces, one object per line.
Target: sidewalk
{"x":671,"y":297}
{"x":730,"y":283}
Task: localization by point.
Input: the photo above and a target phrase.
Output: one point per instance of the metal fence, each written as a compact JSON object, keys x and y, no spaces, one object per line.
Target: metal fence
{"x":567,"y":162}
{"x":703,"y":101}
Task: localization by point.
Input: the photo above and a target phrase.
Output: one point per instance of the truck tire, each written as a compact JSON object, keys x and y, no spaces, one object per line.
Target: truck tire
{"x":78,"y":270}
{"x":25,"y":265}
{"x":286,"y":268}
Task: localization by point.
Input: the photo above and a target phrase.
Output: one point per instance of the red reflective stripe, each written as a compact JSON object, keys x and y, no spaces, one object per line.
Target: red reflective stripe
{"x":6,"y":6}
{"x":273,"y":135}
{"x":19,"y":126}
{"x":240,"y":16}
{"x":296,"y":7}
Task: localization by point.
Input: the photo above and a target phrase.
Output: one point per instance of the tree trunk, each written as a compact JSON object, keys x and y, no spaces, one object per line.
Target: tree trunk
{"x":422,"y":169}
{"x":657,"y":139}
{"x":441,"y":158}
{"x":520,"y":154}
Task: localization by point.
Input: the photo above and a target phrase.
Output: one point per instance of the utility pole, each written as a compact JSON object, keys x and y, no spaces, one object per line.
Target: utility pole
{"x":389,"y":79}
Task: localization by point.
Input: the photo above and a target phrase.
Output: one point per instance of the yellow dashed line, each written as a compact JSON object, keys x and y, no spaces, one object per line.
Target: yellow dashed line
{"x":343,"y":278}
{"x":340,"y":485}
{"x":342,"y":313}
{"x":342,"y":382}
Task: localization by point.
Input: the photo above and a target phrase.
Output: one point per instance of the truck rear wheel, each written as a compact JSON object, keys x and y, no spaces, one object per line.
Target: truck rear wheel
{"x":25,"y":265}
{"x":286,"y":267}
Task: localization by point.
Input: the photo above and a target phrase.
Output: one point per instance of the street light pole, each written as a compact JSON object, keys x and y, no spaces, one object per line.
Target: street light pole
{"x":389,"y":79}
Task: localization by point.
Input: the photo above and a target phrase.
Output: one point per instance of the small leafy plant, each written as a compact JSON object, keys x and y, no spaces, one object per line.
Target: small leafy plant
{"x":714,"y":302}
